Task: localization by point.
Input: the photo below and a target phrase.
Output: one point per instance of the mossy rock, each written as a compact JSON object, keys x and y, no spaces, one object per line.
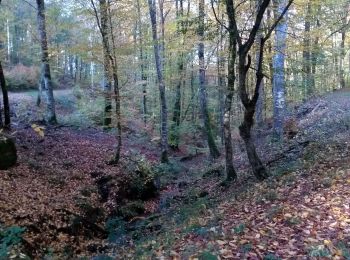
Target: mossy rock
{"x":8,"y":153}
{"x":131,"y":210}
{"x":139,"y":182}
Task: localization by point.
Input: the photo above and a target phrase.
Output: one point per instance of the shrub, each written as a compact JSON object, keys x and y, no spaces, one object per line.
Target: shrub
{"x":21,"y":77}
{"x":9,"y":237}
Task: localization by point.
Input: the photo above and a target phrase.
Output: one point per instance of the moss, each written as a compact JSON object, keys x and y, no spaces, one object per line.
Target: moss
{"x":8,"y":153}
{"x":131,"y":210}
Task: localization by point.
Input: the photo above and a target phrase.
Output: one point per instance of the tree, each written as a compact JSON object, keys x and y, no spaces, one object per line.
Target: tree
{"x":214,"y":152}
{"x":243,"y":48}
{"x":7,"y":117}
{"x":181,"y":31}
{"x":143,"y":66}
{"x":45,"y":67}
{"x":104,"y":21}
{"x":278,"y":69}
{"x":307,"y":76}
{"x":161,"y":85}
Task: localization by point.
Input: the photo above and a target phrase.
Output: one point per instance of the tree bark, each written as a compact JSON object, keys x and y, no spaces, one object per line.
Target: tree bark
{"x":107,"y":122}
{"x":214,"y":152}
{"x":116,"y":89}
{"x":260,"y":102}
{"x":5,"y":97}
{"x":230,"y":170}
{"x":342,"y":46}
{"x":45,"y":67}
{"x":142,"y":60}
{"x":307,"y":80}
{"x":159,"y":68}
{"x":278,"y":76}
{"x":175,"y":131}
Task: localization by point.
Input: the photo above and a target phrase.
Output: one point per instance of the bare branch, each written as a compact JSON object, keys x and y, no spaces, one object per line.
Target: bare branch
{"x":272,"y":28}
{"x":216,"y":17}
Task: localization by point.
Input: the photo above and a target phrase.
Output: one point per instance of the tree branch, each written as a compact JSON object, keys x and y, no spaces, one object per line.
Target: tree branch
{"x":272,"y":28}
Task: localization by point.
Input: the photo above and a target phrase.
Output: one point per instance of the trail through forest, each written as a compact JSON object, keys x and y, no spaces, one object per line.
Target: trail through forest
{"x":302,"y":212}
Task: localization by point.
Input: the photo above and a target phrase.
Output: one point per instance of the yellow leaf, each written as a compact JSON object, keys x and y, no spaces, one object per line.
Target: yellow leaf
{"x":327,"y":242}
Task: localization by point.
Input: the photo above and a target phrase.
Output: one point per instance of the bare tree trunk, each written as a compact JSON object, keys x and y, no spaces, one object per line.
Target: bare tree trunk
{"x":116,"y":89}
{"x":341,"y":60}
{"x":342,"y":46}
{"x":214,"y":152}
{"x":45,"y":68}
{"x":260,"y":102}
{"x":5,"y":97}
{"x":159,"y":68}
{"x":107,"y":122}
{"x":307,"y":54}
{"x":142,"y":59}
{"x":278,"y":76}
{"x":230,"y":170}
{"x":315,"y":49}
{"x":175,"y":131}
{"x":221,"y":63}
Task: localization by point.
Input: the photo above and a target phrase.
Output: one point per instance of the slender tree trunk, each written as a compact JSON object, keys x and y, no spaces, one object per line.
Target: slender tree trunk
{"x":260,"y":103}
{"x":116,"y":89}
{"x":307,"y":54}
{"x":245,"y":128}
{"x":45,"y":67}
{"x":142,"y":60}
{"x":315,"y":49}
{"x":221,"y":63}
{"x":342,"y":46}
{"x":279,"y":77}
{"x":230,"y":92}
{"x":159,"y":68}
{"x":175,"y":131}
{"x":214,"y":152}
{"x":5,"y":97}
{"x":108,"y":74}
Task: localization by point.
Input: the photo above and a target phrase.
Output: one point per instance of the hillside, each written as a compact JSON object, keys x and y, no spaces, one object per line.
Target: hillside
{"x":301,"y":211}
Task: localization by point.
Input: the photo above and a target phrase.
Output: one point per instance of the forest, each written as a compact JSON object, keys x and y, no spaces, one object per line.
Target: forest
{"x":174,"y":129}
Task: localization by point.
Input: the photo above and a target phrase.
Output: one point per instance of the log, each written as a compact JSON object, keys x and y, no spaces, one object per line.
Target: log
{"x":8,"y":152}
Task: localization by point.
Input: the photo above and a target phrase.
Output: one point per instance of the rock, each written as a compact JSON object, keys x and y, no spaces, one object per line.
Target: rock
{"x":214,"y":171}
{"x":8,"y":153}
{"x":131,"y":210}
{"x":104,"y":185}
{"x":139,"y":182}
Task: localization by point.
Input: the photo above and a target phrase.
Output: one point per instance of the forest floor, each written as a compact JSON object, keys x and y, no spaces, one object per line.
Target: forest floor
{"x":301,"y":212}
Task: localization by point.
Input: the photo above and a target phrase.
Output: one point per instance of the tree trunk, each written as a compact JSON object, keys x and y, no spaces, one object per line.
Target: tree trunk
{"x":307,"y":80}
{"x":315,"y":49}
{"x":260,"y":102}
{"x":249,"y":110}
{"x":116,"y":90}
{"x":342,"y":46}
{"x":111,"y":73}
{"x":45,"y":67}
{"x":175,"y":131}
{"x":214,"y":152}
{"x":5,"y":97}
{"x":221,"y":63}
{"x":108,"y":74}
{"x":230,"y":170}
{"x":142,"y":60}
{"x":278,"y":76}
{"x":159,"y":68}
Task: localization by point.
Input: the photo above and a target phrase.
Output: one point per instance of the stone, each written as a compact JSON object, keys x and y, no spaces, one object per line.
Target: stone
{"x":8,"y":153}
